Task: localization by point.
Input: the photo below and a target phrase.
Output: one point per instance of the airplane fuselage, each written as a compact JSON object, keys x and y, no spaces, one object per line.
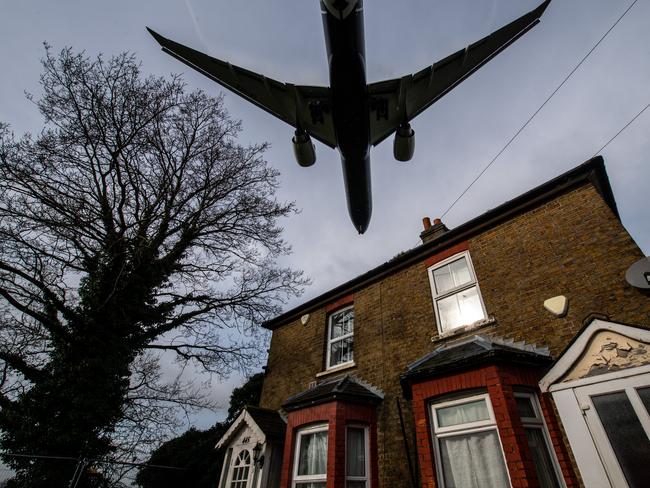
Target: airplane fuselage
{"x":344,"y":39}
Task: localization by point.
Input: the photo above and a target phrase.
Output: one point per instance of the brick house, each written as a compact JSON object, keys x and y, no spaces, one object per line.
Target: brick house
{"x":509,"y":351}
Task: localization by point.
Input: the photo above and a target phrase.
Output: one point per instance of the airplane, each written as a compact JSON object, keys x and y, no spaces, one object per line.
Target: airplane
{"x":350,"y":114}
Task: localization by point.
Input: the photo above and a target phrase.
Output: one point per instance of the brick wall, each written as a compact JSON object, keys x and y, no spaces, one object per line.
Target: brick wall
{"x":572,"y":245}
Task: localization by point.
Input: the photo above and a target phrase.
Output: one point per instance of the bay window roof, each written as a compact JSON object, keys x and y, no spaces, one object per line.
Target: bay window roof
{"x":347,"y":389}
{"x":474,"y":351}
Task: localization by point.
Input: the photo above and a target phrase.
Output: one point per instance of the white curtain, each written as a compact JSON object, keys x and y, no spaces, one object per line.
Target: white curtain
{"x":462,"y":414}
{"x":356,"y":452}
{"x":313,"y":454}
{"x":473,"y":461}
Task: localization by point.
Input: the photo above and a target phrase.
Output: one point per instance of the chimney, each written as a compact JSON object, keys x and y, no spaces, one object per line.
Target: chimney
{"x":432,"y":232}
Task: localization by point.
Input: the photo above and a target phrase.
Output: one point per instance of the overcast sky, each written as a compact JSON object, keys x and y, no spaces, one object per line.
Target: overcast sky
{"x":455,"y":138}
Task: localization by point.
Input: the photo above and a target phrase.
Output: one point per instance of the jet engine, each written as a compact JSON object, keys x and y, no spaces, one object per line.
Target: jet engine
{"x":404,"y":144}
{"x":303,"y":149}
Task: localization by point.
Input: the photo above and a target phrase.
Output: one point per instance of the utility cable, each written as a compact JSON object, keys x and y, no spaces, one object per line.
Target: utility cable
{"x":620,"y":131}
{"x":90,"y":461}
{"x":584,"y":58}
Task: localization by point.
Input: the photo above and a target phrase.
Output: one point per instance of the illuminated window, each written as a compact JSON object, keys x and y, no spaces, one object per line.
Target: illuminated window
{"x":340,"y":337}
{"x":456,"y":295}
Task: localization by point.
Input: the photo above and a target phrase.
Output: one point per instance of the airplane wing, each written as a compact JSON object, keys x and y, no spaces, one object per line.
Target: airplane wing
{"x":394,"y":102}
{"x":305,"y":107}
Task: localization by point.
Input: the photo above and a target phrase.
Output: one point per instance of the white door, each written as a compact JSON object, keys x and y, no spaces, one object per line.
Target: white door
{"x":617,"y":413}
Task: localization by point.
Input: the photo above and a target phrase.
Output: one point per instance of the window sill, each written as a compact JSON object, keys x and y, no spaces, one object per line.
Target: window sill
{"x":336,"y":369}
{"x":458,"y":331}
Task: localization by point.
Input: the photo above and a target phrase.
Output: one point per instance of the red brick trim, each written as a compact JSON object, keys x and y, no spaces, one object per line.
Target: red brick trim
{"x":499,"y":382}
{"x":442,"y":255}
{"x":337,"y":415}
{"x":340,"y":303}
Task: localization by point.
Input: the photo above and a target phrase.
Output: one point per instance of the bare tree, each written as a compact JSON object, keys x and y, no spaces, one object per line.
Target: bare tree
{"x":133,"y":224}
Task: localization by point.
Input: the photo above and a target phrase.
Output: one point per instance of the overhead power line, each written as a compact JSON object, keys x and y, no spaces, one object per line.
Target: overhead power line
{"x":621,"y":131}
{"x":92,"y":461}
{"x":520,"y":130}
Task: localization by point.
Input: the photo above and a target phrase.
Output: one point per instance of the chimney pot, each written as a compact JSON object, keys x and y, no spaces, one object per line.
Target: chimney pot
{"x":434,"y":231}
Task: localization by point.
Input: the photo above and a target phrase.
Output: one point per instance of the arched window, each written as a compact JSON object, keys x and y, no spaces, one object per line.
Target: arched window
{"x":240,"y":470}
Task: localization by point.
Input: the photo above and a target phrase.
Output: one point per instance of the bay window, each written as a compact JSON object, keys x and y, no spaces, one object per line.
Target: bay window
{"x":467,"y":446}
{"x":310,"y":462}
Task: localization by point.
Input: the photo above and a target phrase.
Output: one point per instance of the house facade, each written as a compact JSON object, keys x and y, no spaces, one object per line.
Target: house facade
{"x":509,"y":351}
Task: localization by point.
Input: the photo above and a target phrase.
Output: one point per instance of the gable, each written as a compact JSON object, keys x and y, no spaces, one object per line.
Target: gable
{"x":244,"y":430}
{"x":609,"y":351}
{"x":602,"y":347}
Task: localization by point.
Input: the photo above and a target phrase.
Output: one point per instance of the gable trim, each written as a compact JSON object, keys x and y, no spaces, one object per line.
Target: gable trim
{"x":243,"y":419}
{"x":574,"y":352}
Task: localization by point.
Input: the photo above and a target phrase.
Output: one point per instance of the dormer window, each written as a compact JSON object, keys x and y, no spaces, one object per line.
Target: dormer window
{"x":340,"y":338}
{"x":456,"y":295}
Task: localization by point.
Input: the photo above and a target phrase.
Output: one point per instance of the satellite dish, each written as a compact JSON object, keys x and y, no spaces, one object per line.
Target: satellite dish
{"x":638,"y":275}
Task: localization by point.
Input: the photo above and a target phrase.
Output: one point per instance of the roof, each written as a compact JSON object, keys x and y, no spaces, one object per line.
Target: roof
{"x":591,"y":172}
{"x":347,"y":389}
{"x":474,"y":351}
{"x":269,"y":421}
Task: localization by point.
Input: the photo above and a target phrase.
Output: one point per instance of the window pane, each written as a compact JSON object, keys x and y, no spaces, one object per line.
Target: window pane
{"x":460,"y":272}
{"x":451,"y":275}
{"x":644,"y":393}
{"x":525,"y":407}
{"x":443,"y":279}
{"x":356,"y":484}
{"x":449,"y":313}
{"x":356,"y":452}
{"x":470,"y":306}
{"x":462,"y":414}
{"x":626,"y":436}
{"x":473,"y":460}
{"x":541,"y":458}
{"x":313,"y":454}
{"x":342,"y":351}
{"x":459,"y":309}
{"x":309,"y":484}
{"x":342,"y":323}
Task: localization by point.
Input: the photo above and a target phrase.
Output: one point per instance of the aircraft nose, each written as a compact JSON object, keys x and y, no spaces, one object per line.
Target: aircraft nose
{"x":360,"y":215}
{"x":362,"y":227}
{"x":356,"y":174}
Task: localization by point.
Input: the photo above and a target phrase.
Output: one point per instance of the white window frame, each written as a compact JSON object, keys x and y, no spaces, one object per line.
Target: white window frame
{"x":331,"y":341}
{"x":539,"y":422}
{"x":440,"y":296}
{"x":320,"y":478}
{"x":438,"y":432}
{"x":233,"y":466}
{"x":366,"y":436}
